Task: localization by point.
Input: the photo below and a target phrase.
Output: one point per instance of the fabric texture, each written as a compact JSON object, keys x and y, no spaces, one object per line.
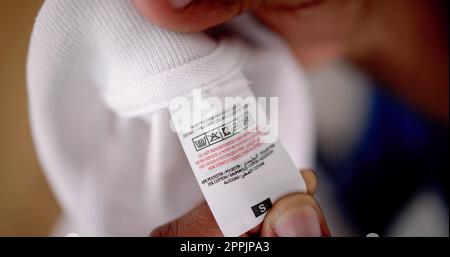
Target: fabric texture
{"x":99,"y":80}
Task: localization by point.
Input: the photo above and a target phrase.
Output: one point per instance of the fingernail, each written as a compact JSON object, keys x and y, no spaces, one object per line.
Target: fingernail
{"x":298,"y":221}
{"x":178,"y":4}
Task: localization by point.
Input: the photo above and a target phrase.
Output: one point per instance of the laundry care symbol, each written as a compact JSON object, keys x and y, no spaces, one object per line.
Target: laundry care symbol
{"x":226,"y":131}
{"x":200,"y":142}
{"x":213,"y":136}
{"x":218,"y":134}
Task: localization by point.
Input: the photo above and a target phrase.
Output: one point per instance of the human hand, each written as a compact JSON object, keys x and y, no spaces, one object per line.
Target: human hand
{"x":296,"y":214}
{"x":319,"y":28}
{"x":370,"y":33}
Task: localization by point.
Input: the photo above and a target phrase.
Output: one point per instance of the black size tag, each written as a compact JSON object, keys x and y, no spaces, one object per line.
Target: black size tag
{"x":262,"y":207}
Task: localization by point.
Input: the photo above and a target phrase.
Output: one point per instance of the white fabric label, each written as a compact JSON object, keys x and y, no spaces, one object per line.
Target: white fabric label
{"x":239,"y":175}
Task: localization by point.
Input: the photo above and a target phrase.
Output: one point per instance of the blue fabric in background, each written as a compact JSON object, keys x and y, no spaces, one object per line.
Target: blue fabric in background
{"x":401,"y":153}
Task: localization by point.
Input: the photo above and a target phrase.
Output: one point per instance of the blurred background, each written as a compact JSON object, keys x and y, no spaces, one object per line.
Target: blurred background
{"x":401,"y":190}
{"x":27,"y":206}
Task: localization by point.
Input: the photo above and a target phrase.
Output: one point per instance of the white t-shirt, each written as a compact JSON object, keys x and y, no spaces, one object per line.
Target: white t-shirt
{"x":99,"y":80}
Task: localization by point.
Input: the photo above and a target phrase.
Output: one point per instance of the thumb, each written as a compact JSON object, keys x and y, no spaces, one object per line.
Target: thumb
{"x":296,"y":215}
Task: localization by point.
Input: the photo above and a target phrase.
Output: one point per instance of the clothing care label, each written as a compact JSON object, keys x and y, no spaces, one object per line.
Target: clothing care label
{"x":239,"y":164}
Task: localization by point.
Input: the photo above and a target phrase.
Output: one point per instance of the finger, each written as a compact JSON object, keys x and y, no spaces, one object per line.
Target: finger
{"x":198,"y":222}
{"x":310,"y":178}
{"x":192,"y":16}
{"x":295,"y":215}
{"x":198,"y":15}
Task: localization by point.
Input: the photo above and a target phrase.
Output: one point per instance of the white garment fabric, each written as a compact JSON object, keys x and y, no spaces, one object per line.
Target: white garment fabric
{"x":99,"y":80}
